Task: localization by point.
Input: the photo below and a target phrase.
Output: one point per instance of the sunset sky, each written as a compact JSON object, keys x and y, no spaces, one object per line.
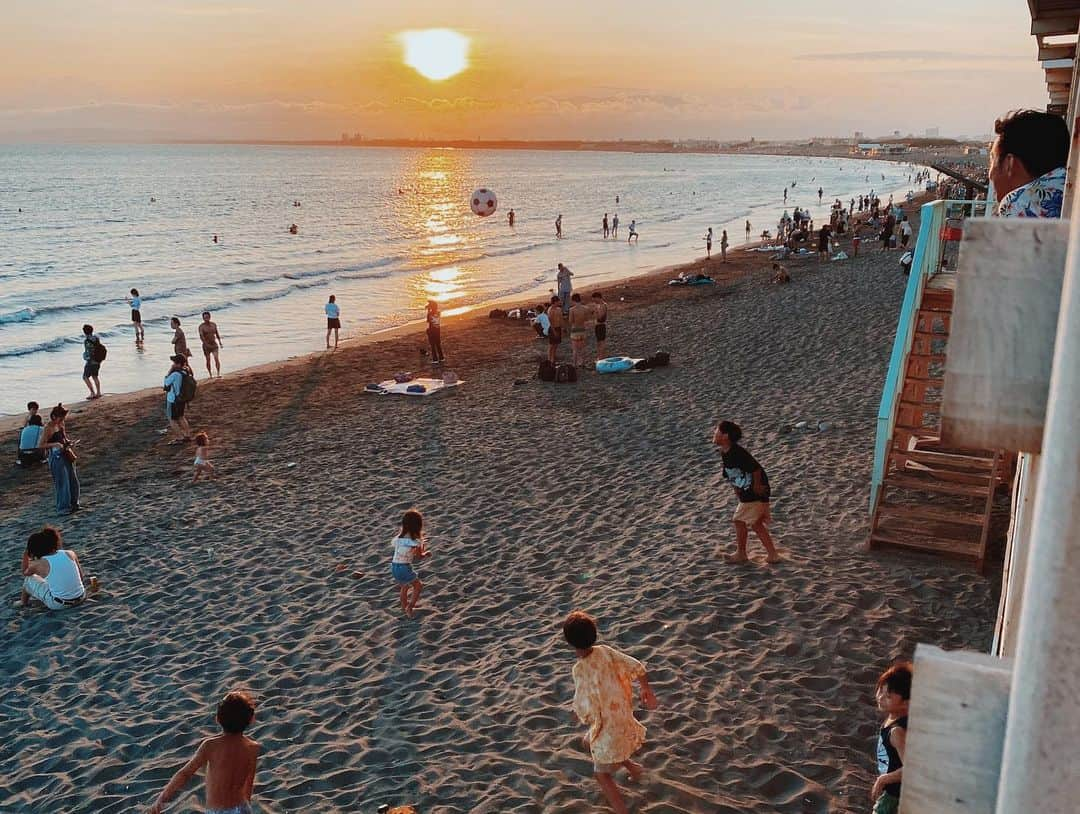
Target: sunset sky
{"x":311,"y":69}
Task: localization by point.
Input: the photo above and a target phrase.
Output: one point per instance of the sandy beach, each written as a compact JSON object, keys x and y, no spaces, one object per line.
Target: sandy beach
{"x":605,"y":495}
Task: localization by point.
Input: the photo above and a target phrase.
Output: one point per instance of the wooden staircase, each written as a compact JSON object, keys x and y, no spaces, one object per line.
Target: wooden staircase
{"x":933,"y":499}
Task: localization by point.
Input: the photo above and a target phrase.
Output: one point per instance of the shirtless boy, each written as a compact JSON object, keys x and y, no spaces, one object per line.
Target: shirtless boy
{"x":579,"y":328}
{"x":211,"y":342}
{"x":555,"y":318}
{"x":599,"y":314}
{"x":229,"y":759}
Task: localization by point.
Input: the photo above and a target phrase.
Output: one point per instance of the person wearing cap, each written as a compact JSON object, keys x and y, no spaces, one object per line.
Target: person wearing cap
{"x":174,"y":407}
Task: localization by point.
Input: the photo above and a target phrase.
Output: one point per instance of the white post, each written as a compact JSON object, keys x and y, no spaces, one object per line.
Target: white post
{"x":1038,"y":770}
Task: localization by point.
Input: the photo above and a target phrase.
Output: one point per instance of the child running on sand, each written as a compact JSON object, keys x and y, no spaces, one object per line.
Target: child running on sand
{"x":202,"y":457}
{"x":893,"y":697}
{"x":229,"y":758}
{"x":604,"y":701}
{"x":751,"y":485}
{"x":408,"y":547}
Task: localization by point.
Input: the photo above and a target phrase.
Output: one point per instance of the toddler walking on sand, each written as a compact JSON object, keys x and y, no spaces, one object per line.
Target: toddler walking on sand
{"x":604,"y":701}
{"x":408,"y":547}
{"x":229,"y":758}
{"x":202,"y":457}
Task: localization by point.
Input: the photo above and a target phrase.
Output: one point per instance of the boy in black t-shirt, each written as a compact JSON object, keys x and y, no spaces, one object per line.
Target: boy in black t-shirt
{"x":893,"y":698}
{"x":751,"y":484}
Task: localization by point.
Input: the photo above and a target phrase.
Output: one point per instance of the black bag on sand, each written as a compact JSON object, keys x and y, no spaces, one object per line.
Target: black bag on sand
{"x":546,"y":373}
{"x":566,"y":374}
{"x":497,"y":313}
{"x":642,"y":364}
{"x":660,"y":359}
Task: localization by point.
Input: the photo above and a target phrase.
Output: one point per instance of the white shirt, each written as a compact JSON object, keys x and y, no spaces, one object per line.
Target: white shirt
{"x":405,"y":549}
{"x":173,"y":381}
{"x":905,"y":228}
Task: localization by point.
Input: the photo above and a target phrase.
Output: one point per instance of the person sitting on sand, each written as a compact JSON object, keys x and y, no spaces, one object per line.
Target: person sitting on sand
{"x":30,"y":437}
{"x":579,"y":328}
{"x":893,"y":698}
{"x":230,"y":759}
{"x":409,"y":547}
{"x":751,"y":485}
{"x":555,"y":328}
{"x":780,"y":275}
{"x":52,"y":574}
{"x":600,"y":315}
{"x":202,"y":457}
{"x":604,"y":702}
{"x":541,"y":324}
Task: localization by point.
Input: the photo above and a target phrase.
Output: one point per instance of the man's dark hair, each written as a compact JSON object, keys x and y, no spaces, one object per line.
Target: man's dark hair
{"x":43,"y":543}
{"x":32,"y":405}
{"x":580,"y":630}
{"x":575,"y":297}
{"x":554,"y":298}
{"x":596,"y":295}
{"x":731,"y":430}
{"x":235,"y":712}
{"x":897,"y":679}
{"x":35,"y":421}
{"x":88,"y":329}
{"x":1039,"y":140}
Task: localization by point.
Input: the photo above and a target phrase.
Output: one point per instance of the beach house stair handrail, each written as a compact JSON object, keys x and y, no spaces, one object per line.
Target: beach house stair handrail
{"x":925,"y":263}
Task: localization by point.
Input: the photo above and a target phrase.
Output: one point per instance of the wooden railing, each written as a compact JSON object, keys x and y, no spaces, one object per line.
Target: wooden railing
{"x":925,"y":264}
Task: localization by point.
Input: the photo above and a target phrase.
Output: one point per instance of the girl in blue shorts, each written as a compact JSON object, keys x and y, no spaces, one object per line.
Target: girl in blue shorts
{"x":409,"y":547}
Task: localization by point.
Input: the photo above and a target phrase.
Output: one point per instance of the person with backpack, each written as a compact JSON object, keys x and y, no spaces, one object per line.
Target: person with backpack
{"x":179,"y":389}
{"x":93,"y":356}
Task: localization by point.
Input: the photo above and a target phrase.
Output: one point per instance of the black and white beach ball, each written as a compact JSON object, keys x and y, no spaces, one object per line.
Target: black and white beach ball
{"x":484,"y":202}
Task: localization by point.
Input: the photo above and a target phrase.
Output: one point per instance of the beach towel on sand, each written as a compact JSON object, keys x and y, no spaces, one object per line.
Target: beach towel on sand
{"x":393,"y":388}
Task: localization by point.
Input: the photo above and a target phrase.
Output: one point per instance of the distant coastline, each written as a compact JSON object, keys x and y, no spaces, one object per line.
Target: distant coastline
{"x":921,"y":150}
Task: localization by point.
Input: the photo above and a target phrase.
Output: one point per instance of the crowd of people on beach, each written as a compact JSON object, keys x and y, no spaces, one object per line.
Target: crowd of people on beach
{"x":603,"y":677}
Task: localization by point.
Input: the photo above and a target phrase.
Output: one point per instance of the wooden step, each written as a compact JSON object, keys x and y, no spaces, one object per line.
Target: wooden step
{"x":934,"y":514}
{"x":926,"y":320}
{"x":977,"y":463}
{"x":945,"y":546}
{"x":918,"y":367}
{"x":923,"y":345}
{"x":917,"y":391}
{"x":945,"y":487}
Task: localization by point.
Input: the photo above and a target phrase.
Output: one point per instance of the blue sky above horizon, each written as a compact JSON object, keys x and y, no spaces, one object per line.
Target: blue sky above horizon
{"x":684,"y":69}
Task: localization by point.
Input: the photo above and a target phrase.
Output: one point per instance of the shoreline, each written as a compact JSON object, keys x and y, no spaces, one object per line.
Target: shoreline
{"x":11,"y":421}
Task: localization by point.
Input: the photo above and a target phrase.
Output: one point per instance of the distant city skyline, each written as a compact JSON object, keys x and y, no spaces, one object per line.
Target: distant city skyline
{"x":703,"y":69}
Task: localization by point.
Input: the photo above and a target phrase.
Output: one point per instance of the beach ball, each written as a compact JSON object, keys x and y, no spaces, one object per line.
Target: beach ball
{"x":484,"y":202}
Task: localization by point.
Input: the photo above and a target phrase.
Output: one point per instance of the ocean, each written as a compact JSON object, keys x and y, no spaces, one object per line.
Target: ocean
{"x":382,"y":229}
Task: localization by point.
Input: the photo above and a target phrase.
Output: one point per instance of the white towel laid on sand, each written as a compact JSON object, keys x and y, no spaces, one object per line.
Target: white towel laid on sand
{"x":431,"y":386}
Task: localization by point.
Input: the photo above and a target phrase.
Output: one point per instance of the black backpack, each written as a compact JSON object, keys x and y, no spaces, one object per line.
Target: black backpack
{"x":98,"y":352}
{"x":188,"y":388}
{"x":566,"y":374}
{"x":660,"y":359}
{"x":546,"y":373}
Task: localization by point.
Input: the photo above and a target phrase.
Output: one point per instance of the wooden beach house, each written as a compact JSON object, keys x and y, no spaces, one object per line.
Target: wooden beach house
{"x":986,"y":370}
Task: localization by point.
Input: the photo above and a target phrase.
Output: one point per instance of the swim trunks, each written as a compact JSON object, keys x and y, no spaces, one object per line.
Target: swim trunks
{"x":554,"y":336}
{"x":601,"y":331}
{"x":174,"y":410}
{"x":207,"y":349}
{"x":91,"y":369}
{"x":243,"y":808}
{"x":577,"y":334}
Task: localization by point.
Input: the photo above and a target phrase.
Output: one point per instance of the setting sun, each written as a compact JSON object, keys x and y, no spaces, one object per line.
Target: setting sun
{"x":437,"y":53}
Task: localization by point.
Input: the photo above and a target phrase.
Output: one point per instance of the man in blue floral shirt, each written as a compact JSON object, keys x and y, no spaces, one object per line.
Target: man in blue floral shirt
{"x":1027,"y":164}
